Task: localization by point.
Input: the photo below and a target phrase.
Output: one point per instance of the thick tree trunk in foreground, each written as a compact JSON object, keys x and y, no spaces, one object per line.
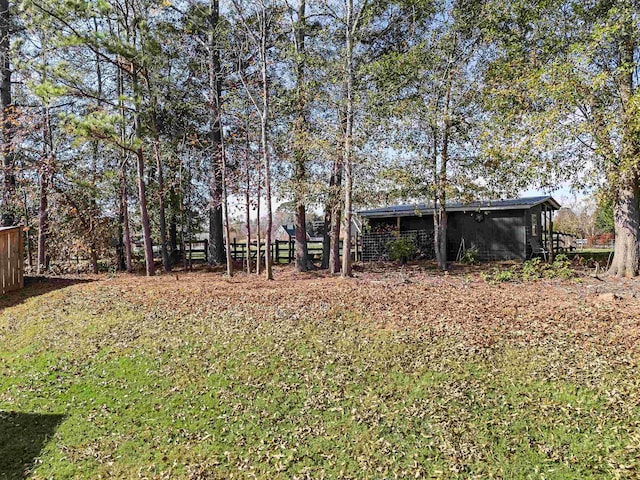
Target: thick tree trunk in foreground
{"x":626,"y":216}
{"x":144,"y":216}
{"x":216,"y":255}
{"x":300,"y":126}
{"x":8,"y":120}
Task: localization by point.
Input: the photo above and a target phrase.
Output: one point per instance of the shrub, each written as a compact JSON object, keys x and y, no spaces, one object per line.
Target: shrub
{"x":536,"y":268}
{"x":499,"y":276}
{"x":401,"y":249}
{"x":470,"y":256}
{"x":532,"y":269}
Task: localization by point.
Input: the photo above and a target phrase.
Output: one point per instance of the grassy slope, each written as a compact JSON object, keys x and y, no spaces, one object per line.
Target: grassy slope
{"x":156,"y":391}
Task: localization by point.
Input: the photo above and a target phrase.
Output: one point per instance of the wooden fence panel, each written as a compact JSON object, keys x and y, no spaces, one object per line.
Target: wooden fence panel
{"x":4,"y":261}
{"x":11,"y":259}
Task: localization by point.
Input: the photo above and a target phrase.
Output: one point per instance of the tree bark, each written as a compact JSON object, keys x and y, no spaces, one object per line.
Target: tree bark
{"x":258,"y":232}
{"x":348,"y":134}
{"x":300,"y":127}
{"x":144,"y":215}
{"x":8,"y":120}
{"x":626,"y":211}
{"x":126,"y":231}
{"x":124,"y":195}
{"x":43,"y":220}
{"x":265,"y":143}
{"x":166,"y":262}
{"x":216,"y":255}
{"x":46,"y":170}
{"x":440,"y":173}
{"x":247,"y":202}
{"x":626,"y":216}
{"x":225,"y":205}
{"x":336,"y":220}
{"x":335,"y":202}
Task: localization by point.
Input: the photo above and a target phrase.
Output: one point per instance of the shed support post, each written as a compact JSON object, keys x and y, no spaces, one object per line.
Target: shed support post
{"x":552,"y":250}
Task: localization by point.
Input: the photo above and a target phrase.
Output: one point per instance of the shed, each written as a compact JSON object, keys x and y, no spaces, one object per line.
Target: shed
{"x":288,"y":232}
{"x":505,"y":229}
{"x":11,"y":259}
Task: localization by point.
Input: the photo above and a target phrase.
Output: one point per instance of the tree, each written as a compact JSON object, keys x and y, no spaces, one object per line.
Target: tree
{"x":216,"y":246}
{"x":300,"y":32}
{"x":259,"y":36}
{"x":431,"y":90}
{"x":566,"y":95}
{"x":8,"y":115}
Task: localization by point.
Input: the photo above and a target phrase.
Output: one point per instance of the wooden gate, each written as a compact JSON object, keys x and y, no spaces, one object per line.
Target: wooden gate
{"x":11,"y":259}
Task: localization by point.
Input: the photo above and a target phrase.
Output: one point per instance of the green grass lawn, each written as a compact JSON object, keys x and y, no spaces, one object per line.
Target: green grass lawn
{"x":95,"y":386}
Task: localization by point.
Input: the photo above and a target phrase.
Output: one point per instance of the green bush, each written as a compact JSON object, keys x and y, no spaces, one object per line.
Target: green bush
{"x":470,"y":256}
{"x":401,"y":249}
{"x":499,"y":276}
{"x":532,"y":269}
{"x":536,"y":268}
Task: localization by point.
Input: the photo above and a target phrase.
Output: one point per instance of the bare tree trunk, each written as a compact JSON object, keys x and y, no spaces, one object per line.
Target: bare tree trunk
{"x":300,"y":173}
{"x":326,"y":238}
{"x":27,"y":221}
{"x":140,"y":161}
{"x":46,"y":170}
{"x":336,"y":219}
{"x":124,"y":195}
{"x":258,"y":232}
{"x":225,"y":205}
{"x":348,"y":136}
{"x":43,"y":219}
{"x":126,"y":232}
{"x":267,"y":186}
{"x":144,"y":215}
{"x":265,"y":143}
{"x":166,"y":262}
{"x":8,"y":120}
{"x":247,"y":203}
{"x":216,"y":254}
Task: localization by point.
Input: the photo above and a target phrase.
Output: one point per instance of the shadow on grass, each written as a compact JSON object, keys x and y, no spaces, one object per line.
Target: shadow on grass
{"x":34,"y":286}
{"x":22,"y":438}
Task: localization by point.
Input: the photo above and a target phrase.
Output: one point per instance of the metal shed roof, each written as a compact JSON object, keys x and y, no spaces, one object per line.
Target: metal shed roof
{"x":482,"y":205}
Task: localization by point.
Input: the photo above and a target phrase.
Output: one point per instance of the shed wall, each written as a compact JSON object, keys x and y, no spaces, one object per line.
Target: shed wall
{"x":501,"y":235}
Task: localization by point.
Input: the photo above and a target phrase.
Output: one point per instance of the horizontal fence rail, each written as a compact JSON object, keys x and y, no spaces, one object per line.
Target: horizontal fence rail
{"x":282,"y":251}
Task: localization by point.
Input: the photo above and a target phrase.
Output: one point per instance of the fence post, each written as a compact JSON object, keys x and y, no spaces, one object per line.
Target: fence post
{"x":356,"y":243}
{"x":206,"y":250}
{"x":291,"y":250}
{"x":277,"y":252}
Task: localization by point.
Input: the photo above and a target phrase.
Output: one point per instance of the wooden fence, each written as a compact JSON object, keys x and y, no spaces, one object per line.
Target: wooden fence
{"x":282,"y":251}
{"x":11,"y":259}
